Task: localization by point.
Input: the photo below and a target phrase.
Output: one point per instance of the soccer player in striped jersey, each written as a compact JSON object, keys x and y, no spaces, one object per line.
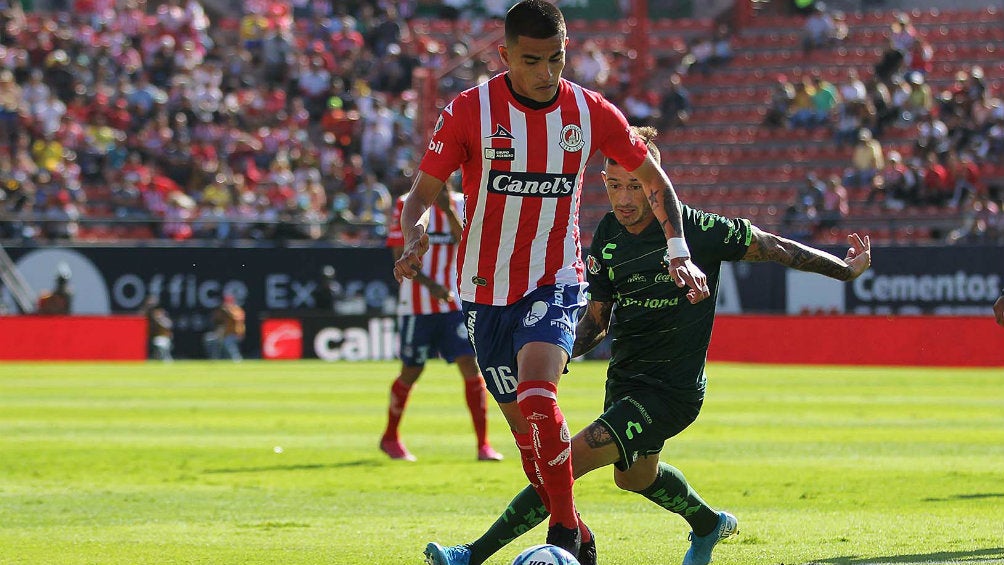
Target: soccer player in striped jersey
{"x":521,"y":141}
{"x":656,"y":379}
{"x":432,"y":324}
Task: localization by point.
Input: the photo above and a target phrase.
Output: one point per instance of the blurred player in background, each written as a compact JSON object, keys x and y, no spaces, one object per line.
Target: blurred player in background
{"x":432,"y":324}
{"x":521,"y":141}
{"x":655,"y":380}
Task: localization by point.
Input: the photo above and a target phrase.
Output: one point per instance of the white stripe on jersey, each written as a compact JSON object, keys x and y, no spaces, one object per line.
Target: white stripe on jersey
{"x":474,"y":229}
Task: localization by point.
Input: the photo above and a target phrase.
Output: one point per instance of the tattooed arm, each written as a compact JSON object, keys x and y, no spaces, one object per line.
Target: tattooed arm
{"x":592,"y":327}
{"x":766,"y":246}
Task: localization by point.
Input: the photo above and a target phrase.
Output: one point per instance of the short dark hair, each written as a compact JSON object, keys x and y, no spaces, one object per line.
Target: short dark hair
{"x":538,"y":19}
{"x":647,"y":135}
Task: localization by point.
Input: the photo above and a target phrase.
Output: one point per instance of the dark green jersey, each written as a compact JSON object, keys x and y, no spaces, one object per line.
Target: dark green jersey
{"x":659,"y":338}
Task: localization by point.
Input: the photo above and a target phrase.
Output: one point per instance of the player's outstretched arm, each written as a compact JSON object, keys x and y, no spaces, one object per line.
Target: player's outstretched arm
{"x":766,"y":246}
{"x":414,"y":221}
{"x":592,"y":327}
{"x":668,"y":212}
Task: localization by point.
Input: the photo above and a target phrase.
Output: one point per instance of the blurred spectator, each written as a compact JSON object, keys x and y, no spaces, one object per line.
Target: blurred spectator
{"x":825,"y":100}
{"x":228,"y":331}
{"x":59,"y":300}
{"x":675,"y":107}
{"x":160,"y":329}
{"x":978,"y":214}
{"x":11,"y":105}
{"x":802,"y":111}
{"x":890,"y":63}
{"x":820,"y":30}
{"x":329,"y":291}
{"x":866,"y":160}
{"x":371,"y":201}
{"x":937,"y":183}
{"x":932,"y":136}
{"x":779,"y":106}
{"x":896,"y":185}
{"x":835,"y":204}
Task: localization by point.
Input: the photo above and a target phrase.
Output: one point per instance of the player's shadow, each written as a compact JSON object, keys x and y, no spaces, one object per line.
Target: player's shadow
{"x":995,"y":554}
{"x":972,"y":496}
{"x":359,"y":463}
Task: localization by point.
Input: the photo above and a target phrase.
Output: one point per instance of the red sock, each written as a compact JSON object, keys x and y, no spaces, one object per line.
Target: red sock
{"x":399,"y":392}
{"x":538,"y":401}
{"x":525,"y":444}
{"x":477,"y":403}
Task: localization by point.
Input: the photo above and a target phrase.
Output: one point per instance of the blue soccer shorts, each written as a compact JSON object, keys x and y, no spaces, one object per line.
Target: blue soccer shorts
{"x":426,"y":336}
{"x":548,"y":314}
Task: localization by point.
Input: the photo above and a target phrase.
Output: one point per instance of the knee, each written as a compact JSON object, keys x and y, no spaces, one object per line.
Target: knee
{"x":631,"y":482}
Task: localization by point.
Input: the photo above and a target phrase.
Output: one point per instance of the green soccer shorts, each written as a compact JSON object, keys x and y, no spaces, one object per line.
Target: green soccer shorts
{"x":641,"y":417}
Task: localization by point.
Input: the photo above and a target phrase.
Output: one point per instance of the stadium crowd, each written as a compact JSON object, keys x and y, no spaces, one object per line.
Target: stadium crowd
{"x":298,"y":120}
{"x":956,"y":132}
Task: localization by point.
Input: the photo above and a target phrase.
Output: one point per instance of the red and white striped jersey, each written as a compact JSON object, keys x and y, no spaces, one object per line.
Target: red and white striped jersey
{"x":522,"y":172}
{"x":439,"y":263}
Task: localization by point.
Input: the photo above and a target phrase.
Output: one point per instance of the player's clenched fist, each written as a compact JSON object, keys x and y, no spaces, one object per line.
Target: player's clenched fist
{"x":411,"y":259}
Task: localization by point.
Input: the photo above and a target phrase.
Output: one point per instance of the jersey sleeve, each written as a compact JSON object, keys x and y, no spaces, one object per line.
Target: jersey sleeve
{"x":600,"y":288}
{"x":712,"y":237}
{"x":617,"y":141}
{"x":395,"y":237}
{"x":448,"y":147}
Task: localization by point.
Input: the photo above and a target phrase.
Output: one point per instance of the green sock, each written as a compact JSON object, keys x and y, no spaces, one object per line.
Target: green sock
{"x":671,"y":491}
{"x":523,"y":513}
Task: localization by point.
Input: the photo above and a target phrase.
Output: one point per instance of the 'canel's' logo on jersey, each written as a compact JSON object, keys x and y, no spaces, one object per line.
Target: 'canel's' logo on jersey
{"x":501,"y":133}
{"x":541,"y":185}
{"x":571,"y":138}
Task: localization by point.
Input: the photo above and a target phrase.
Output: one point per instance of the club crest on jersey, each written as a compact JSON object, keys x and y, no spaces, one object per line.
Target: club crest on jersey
{"x":571,"y":138}
{"x":501,"y":133}
{"x":593,"y":265}
{"x":500,"y":154}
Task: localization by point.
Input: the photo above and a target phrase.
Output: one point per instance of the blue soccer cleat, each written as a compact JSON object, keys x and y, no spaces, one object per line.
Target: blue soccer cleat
{"x":701,"y":546}
{"x":436,"y":554}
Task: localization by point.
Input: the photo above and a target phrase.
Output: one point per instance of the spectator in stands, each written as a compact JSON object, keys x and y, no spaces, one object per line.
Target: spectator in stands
{"x":819,"y":30}
{"x":590,"y":66}
{"x":879,"y":99}
{"x":896,"y":184}
{"x":802,"y":111}
{"x":371,"y":201}
{"x":866,"y":160}
{"x":61,"y":215}
{"x":920,"y":58}
{"x":835,"y":204}
{"x":849,"y":123}
{"x":921,"y":100}
{"x":937,"y":187}
{"x":891,"y":63}
{"x":675,"y":107}
{"x":722,"y":52}
{"x":779,"y":106}
{"x":977,"y":213}
{"x":825,"y":101}
{"x":902,"y":34}
{"x":965,"y":176}
{"x":932,"y":137}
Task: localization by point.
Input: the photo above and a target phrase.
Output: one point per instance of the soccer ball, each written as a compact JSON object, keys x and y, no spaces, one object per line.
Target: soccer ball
{"x":545,"y":555}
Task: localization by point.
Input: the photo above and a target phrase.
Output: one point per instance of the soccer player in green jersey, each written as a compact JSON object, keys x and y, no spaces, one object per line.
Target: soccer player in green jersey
{"x":655,"y":380}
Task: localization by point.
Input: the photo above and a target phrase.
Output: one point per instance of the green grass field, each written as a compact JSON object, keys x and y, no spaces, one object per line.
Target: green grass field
{"x":158,"y":464}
